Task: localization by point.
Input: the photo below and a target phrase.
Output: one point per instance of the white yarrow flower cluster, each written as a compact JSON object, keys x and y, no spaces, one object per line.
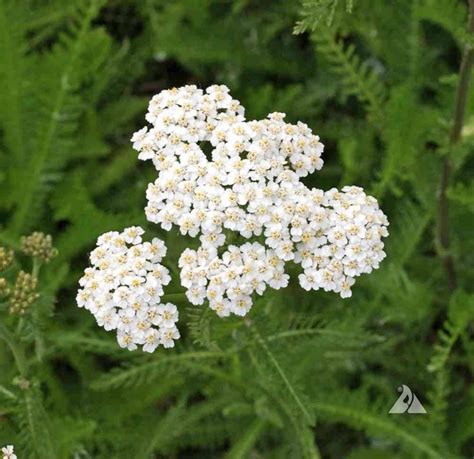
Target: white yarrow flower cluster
{"x":249,"y":183}
{"x":347,"y":242}
{"x":8,"y":452}
{"x":228,"y":281}
{"x":123,"y":290}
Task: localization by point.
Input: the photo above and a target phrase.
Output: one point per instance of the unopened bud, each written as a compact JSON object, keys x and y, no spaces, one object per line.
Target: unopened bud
{"x":4,"y":290}
{"x":22,"y":383}
{"x":6,"y":258}
{"x":23,"y":293}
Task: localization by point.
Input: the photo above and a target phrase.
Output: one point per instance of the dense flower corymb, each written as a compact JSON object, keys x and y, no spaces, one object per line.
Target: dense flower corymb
{"x":250,"y":184}
{"x":229,"y":281}
{"x":123,"y":290}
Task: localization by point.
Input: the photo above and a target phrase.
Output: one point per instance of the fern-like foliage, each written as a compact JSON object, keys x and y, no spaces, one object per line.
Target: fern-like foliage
{"x":199,"y":322}
{"x":54,"y":125}
{"x":73,"y":203}
{"x":460,"y":314}
{"x":404,"y":139}
{"x":292,"y":391}
{"x":407,"y":231}
{"x":357,"y":76}
{"x":287,"y":398}
{"x":13,"y":68}
{"x":451,"y":15}
{"x":34,"y":425}
{"x":361,"y":415}
{"x":463,"y":194}
{"x":316,"y":12}
{"x":148,"y":371}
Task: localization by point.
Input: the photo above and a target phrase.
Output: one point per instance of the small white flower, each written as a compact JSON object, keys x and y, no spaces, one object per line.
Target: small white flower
{"x":126,"y":340}
{"x":307,"y":280}
{"x":196,"y":295}
{"x":151,"y":340}
{"x":241,"y":305}
{"x":221,"y":306}
{"x":168,"y":335}
{"x":133,"y":234}
{"x":169,"y":314}
{"x":8,"y":452}
{"x":345,"y":287}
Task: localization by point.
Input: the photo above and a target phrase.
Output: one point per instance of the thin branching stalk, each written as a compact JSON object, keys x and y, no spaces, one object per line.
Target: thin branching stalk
{"x":455,"y":135}
{"x":15,"y":349}
{"x":283,"y":376}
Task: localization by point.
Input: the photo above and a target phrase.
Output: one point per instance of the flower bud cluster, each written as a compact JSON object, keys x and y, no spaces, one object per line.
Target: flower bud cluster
{"x":6,"y":258}
{"x":123,"y":290}
{"x":250,"y":184}
{"x":38,"y":245}
{"x":229,"y":281}
{"x":23,"y":293}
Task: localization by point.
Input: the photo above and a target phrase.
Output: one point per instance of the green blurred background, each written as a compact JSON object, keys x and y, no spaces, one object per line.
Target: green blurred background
{"x":309,"y":374}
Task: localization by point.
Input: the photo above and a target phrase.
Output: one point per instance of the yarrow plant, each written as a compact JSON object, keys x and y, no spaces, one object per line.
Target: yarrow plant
{"x":123,"y":290}
{"x":220,"y":175}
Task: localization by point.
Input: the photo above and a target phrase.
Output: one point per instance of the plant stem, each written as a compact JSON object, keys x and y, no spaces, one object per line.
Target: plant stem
{"x":454,"y":137}
{"x":243,"y":447}
{"x":16,"y":350}
{"x":36,"y":268}
{"x":279,"y":369}
{"x":181,"y":296}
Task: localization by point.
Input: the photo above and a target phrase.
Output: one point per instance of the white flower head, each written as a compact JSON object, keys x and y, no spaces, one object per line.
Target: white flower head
{"x":123,"y":289}
{"x":217,"y":172}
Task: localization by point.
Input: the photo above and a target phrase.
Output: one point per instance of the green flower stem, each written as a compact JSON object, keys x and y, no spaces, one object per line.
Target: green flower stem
{"x":282,"y":374}
{"x":181,"y":296}
{"x":16,"y":350}
{"x":39,"y":346}
{"x":19,"y":327}
{"x":36,"y":268}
